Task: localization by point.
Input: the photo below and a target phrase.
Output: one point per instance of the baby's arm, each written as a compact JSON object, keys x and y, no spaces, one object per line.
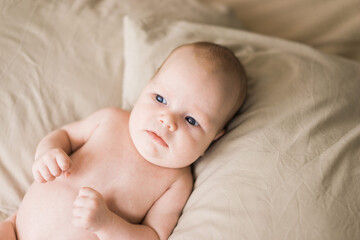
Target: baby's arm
{"x":92,"y":214}
{"x":165,"y":212}
{"x":52,"y":154}
{"x":7,"y":228}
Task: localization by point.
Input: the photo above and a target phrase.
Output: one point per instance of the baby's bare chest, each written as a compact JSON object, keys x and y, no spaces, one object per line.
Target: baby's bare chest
{"x":110,"y":164}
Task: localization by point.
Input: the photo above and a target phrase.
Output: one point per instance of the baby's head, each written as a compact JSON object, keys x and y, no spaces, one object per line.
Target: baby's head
{"x":187,"y":104}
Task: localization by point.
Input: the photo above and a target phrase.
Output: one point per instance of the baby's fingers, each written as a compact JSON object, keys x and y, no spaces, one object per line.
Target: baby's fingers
{"x":63,"y":161}
{"x":45,"y":173}
{"x":53,"y":167}
{"x":39,"y":172}
{"x":38,"y":177}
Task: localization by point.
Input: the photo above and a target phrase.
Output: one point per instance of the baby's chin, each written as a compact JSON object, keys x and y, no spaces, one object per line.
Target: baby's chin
{"x":150,"y":152}
{"x":152,"y":155}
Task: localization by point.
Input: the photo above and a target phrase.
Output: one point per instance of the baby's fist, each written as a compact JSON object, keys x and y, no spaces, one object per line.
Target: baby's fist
{"x":51,"y":165}
{"x":90,"y":210}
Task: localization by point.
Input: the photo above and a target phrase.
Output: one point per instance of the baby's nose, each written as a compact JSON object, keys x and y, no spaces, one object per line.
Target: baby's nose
{"x":169,"y":121}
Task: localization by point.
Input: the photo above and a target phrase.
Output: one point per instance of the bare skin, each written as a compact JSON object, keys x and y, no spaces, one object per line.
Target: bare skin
{"x":7,"y":228}
{"x":106,"y":162}
{"x":121,"y":175}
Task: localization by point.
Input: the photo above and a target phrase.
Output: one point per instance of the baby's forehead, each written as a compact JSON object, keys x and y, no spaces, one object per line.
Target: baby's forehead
{"x":216,"y":70}
{"x":212,"y":62}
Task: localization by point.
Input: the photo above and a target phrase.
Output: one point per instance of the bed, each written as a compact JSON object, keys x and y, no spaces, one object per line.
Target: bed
{"x":289,"y":165}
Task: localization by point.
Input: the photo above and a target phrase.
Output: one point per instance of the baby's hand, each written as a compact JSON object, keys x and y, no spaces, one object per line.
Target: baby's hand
{"x":90,"y":210}
{"x":51,"y":165}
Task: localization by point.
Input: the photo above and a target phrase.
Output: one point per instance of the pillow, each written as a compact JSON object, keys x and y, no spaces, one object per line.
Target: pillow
{"x":60,"y":61}
{"x":289,"y":165}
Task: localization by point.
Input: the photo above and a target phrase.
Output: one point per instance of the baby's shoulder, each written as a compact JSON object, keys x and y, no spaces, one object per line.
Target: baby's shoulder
{"x":184,"y":177}
{"x":114,"y":113}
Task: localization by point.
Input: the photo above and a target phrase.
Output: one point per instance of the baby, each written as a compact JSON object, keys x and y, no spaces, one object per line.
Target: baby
{"x":121,"y":175}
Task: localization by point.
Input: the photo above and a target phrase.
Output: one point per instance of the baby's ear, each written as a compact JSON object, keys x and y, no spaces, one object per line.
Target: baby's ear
{"x":219,"y":134}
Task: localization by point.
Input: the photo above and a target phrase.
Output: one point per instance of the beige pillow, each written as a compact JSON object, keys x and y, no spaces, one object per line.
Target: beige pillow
{"x":60,"y":61}
{"x":289,"y":166}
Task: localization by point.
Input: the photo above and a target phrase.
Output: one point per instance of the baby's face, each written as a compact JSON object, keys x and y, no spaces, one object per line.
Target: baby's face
{"x":180,"y":112}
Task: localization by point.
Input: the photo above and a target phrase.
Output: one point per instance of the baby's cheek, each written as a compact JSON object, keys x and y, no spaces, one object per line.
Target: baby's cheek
{"x":193,"y":146}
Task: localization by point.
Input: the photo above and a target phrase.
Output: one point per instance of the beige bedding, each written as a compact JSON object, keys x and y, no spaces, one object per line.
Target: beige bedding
{"x":289,"y":167}
{"x":330,"y":26}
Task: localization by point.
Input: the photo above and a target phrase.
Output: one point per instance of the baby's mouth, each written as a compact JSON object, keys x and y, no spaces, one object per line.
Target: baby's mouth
{"x":157,"y":138}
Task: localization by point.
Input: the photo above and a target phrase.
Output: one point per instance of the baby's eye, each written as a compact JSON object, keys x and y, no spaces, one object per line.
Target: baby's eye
{"x":160,"y":99}
{"x":192,"y":121}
